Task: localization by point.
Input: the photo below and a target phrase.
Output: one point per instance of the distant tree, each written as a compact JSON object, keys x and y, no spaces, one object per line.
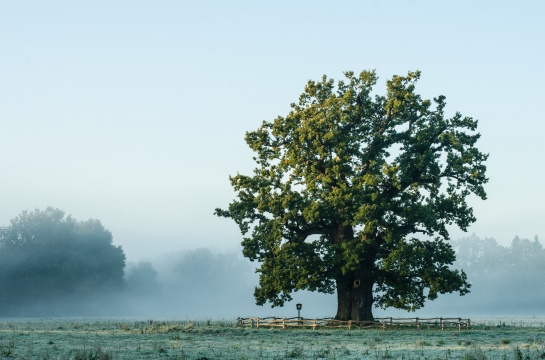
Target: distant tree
{"x":526,"y":254}
{"x":202,"y":267}
{"x":345,"y":183}
{"x":142,"y":279}
{"x":480,"y":256}
{"x":45,"y":256}
{"x":524,"y":273}
{"x":202,"y":274}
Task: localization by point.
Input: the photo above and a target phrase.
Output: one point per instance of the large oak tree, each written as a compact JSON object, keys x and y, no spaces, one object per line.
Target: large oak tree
{"x":353,"y":192}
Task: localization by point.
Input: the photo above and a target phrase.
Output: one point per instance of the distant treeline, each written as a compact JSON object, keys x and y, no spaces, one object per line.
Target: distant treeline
{"x":505,"y":279}
{"x":54,"y":265}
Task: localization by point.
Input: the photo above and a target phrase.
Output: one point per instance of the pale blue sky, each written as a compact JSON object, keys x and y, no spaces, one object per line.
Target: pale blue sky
{"x":134,"y":112}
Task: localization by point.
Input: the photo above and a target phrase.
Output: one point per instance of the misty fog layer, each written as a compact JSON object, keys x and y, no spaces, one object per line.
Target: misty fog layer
{"x":506,"y":280}
{"x":53,"y":265}
{"x":200,"y":283}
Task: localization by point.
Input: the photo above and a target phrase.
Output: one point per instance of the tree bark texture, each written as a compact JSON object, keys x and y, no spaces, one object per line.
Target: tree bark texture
{"x":355,"y":289}
{"x":354,"y":297}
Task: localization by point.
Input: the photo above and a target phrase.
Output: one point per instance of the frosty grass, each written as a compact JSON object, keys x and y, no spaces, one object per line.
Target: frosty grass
{"x":151,"y":339}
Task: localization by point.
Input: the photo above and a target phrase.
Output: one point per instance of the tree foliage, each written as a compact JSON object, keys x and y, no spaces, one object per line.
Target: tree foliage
{"x":354,"y":192}
{"x":46,"y":256}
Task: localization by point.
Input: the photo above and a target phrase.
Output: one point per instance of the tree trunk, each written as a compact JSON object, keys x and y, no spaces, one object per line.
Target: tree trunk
{"x":355,"y":289}
{"x":354,"y":298}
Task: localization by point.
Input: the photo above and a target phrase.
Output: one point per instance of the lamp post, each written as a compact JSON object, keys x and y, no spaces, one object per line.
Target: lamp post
{"x":299,"y":307}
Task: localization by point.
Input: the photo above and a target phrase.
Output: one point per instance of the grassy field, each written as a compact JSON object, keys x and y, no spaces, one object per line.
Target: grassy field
{"x":126,"y":339}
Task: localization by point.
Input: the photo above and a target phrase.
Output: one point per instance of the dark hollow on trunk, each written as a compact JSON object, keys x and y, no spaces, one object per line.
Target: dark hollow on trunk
{"x":354,"y":298}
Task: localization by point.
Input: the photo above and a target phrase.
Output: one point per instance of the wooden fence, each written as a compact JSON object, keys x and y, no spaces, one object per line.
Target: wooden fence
{"x":381,"y":323}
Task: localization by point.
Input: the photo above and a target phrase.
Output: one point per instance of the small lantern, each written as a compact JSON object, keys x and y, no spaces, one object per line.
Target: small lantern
{"x":299,"y":306}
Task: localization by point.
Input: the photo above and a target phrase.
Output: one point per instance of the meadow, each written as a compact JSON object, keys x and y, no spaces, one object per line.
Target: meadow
{"x":150,"y":339}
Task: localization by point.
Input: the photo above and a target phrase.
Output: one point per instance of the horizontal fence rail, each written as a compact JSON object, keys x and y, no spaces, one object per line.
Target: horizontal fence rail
{"x":381,"y":323}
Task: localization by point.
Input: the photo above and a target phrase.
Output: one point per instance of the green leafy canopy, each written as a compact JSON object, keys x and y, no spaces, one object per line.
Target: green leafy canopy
{"x":350,"y":180}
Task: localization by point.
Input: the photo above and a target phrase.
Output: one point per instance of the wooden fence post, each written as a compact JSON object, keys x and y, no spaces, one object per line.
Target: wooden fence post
{"x":459,"y":324}
{"x":468,"y":324}
{"x":442,"y":324}
{"x":417,"y":324}
{"x":391,"y":321}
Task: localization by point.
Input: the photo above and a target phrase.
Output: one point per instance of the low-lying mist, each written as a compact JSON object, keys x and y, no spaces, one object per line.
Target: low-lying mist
{"x":506,"y":280}
{"x":54,"y":265}
{"x":203,"y":284}
{"x":200,"y":283}
{"x":191,"y":284}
